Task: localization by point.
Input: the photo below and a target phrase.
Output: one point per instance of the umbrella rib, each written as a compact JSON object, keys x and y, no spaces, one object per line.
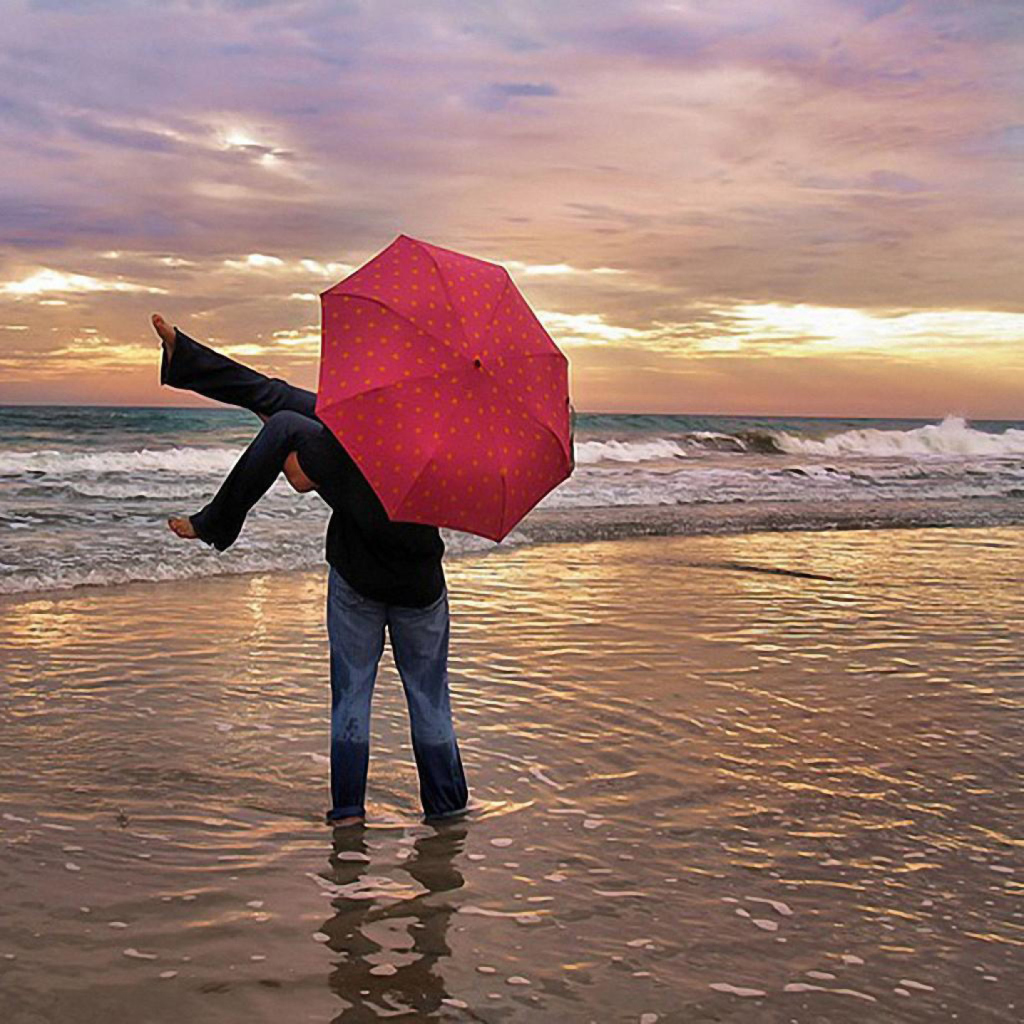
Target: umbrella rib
{"x":401,"y":316}
{"x":391,"y":384}
{"x":444,"y":285}
{"x":501,"y":299}
{"x":529,"y":412}
{"x":429,"y":459}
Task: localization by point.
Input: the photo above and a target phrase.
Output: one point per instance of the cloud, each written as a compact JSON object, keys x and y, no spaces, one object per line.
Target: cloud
{"x":800,"y":331}
{"x":330,"y":270}
{"x":121,"y":137}
{"x":307,"y":338}
{"x":524,"y":89}
{"x":875,"y":181}
{"x":500,"y":96}
{"x":46,"y":280}
{"x":255,"y":261}
{"x":653,"y":169}
{"x":554,"y":269}
{"x":584,"y":328}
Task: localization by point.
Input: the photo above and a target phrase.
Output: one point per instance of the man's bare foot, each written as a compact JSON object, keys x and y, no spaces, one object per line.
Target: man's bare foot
{"x":166,"y":332}
{"x":183,"y":527}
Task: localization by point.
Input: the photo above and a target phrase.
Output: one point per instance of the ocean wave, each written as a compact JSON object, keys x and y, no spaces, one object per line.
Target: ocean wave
{"x":694,"y":483}
{"x":203,"y":461}
{"x":952,"y":437}
{"x":116,"y":487}
{"x":678,"y":446}
{"x":543,"y":526}
{"x":145,"y":553}
{"x":648,"y":450}
{"x":191,"y":461}
{"x":107,"y":574}
{"x":85,"y":515}
{"x":761,"y":442}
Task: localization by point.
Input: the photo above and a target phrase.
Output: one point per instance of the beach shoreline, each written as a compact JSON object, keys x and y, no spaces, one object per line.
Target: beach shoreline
{"x":84,"y":497}
{"x":546,"y":527}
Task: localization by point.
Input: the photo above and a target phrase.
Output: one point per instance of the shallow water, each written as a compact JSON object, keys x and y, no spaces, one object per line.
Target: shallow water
{"x":761,"y":778}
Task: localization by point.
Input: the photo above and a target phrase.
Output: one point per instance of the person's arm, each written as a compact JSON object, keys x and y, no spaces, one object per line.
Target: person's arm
{"x":220,"y":522}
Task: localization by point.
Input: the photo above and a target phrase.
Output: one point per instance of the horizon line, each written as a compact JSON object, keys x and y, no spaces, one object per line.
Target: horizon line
{"x":579,"y":412}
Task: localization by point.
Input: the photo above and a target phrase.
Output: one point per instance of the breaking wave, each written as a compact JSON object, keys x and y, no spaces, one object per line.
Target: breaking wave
{"x":952,"y":437}
{"x":193,"y":461}
{"x":592,"y":452}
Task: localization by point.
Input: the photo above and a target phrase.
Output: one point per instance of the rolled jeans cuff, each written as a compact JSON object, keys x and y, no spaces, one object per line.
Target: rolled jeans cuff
{"x":354,"y":811}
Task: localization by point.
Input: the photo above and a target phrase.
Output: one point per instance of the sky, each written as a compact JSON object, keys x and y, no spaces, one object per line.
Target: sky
{"x":803,"y":207}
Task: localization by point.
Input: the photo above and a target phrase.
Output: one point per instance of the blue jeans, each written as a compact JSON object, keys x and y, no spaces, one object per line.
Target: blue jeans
{"x":419,"y":640}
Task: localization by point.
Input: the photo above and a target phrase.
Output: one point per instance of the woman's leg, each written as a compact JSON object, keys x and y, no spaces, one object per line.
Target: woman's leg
{"x":192,"y":366}
{"x":220,"y":522}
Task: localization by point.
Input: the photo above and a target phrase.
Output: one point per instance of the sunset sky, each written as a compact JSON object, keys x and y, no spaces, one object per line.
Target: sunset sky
{"x":789,"y":207}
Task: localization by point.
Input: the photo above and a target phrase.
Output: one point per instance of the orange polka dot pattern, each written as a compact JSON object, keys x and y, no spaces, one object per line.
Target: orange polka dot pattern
{"x":445,"y":388}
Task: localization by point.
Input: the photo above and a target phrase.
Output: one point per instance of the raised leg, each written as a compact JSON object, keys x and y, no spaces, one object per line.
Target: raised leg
{"x":220,"y":522}
{"x":192,"y":366}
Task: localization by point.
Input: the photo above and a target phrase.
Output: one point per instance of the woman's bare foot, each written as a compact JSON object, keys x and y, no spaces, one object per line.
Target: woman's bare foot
{"x":183,"y":527}
{"x":166,"y":332}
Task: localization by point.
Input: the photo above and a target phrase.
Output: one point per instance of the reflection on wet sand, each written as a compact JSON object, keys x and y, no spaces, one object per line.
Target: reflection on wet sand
{"x":754,"y":778}
{"x":390,"y":938}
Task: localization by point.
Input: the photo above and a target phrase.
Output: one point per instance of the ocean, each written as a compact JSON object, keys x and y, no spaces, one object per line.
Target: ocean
{"x":85,"y":491}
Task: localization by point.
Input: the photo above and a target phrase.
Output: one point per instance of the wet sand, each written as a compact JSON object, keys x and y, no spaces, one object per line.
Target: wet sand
{"x":760,"y":778}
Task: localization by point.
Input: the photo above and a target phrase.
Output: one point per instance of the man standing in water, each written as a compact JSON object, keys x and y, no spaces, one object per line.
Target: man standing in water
{"x":382,"y":574}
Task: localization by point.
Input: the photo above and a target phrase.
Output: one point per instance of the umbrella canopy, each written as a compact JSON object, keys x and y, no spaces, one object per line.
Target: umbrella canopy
{"x":445,"y":389}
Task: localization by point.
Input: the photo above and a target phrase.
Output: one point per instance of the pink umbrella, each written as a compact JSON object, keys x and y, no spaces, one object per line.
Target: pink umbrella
{"x":443,"y":386}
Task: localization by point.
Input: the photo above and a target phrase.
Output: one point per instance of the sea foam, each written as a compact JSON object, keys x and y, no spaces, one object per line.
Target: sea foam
{"x":592,"y":452}
{"x":191,"y":460}
{"x":952,"y":437}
